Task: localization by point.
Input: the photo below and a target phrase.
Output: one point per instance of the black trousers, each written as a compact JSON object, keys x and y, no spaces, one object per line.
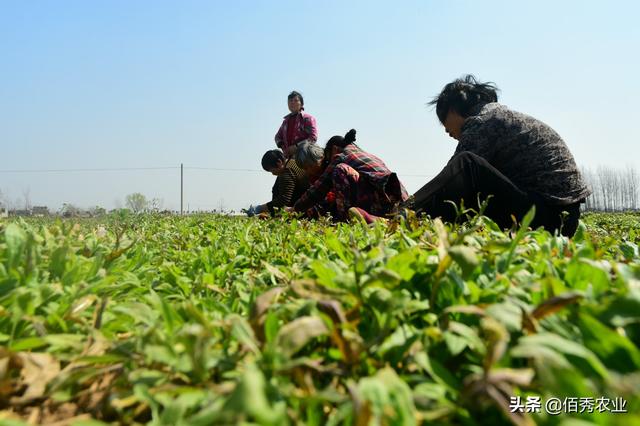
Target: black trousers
{"x":469,"y":178}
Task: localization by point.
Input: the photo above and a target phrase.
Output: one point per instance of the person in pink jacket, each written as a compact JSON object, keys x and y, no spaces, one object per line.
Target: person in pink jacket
{"x":298,"y":126}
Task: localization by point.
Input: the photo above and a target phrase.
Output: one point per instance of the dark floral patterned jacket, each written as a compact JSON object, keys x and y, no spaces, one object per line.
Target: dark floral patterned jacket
{"x":527,"y":151}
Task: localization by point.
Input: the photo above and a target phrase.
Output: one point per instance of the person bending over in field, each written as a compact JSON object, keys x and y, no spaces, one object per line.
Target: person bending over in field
{"x":291,"y":182}
{"x":361,"y":183}
{"x":296,"y":127}
{"x":520,"y":161}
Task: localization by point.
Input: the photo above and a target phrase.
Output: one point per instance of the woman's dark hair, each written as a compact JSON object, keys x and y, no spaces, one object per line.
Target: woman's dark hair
{"x":462,"y":95}
{"x":340,"y":142}
{"x":270,"y":159}
{"x":294,"y":94}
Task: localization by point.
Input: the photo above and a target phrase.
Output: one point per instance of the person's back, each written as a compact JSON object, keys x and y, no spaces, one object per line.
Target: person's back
{"x":526,"y":150}
{"x":358,"y":179}
{"x":291,"y":182}
{"x":289,"y":186}
{"x":511,"y":157}
{"x":368,"y":165}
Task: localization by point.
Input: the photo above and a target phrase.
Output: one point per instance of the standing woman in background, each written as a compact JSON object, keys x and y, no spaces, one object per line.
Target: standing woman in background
{"x":298,"y":126}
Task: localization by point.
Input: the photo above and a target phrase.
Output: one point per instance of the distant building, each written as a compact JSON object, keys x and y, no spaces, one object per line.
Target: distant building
{"x":40,"y":211}
{"x":21,"y":212}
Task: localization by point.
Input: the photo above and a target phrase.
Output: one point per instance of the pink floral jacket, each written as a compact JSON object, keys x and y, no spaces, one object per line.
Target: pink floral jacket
{"x":305,"y":129}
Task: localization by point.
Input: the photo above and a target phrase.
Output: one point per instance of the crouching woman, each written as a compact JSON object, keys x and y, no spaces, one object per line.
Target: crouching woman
{"x":359,"y":181}
{"x":291,"y":182}
{"x":516,"y":159}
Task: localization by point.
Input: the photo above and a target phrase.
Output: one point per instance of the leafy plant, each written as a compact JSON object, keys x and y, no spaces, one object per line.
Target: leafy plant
{"x":200,"y":320}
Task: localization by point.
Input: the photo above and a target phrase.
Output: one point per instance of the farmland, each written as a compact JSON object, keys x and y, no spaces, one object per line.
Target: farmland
{"x":203,"y":320}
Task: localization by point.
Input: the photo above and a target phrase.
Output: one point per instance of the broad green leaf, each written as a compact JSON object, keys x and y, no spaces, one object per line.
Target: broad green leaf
{"x":27,"y":343}
{"x":437,"y":371}
{"x":15,"y":238}
{"x":390,"y":399}
{"x":615,"y":351}
{"x":325,"y":272}
{"x":250,"y":397}
{"x":581,"y":274}
{"x":565,"y":347}
{"x":242,"y":331}
{"x":294,"y":335}
{"x":465,"y":257}
{"x":403,"y":263}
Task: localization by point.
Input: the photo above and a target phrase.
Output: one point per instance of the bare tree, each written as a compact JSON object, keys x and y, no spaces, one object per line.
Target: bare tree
{"x":633,"y":186}
{"x":69,"y":210}
{"x":155,"y":204}
{"x":26,"y":195}
{"x":613,"y":189}
{"x":137,"y":202}
{"x":97,"y":211}
{"x":4,"y":207}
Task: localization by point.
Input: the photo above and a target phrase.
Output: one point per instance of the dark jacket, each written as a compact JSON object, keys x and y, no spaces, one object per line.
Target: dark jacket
{"x":527,"y":151}
{"x":289,"y":186}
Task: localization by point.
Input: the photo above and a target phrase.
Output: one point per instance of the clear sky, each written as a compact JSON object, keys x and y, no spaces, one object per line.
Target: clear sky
{"x":136,"y":84}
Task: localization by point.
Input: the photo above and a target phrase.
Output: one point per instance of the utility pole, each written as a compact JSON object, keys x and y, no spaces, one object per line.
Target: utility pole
{"x":181,"y":187}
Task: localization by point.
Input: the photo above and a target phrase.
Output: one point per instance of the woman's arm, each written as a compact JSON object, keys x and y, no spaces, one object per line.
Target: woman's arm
{"x":310,"y":127}
{"x":279,"y":138}
{"x":318,"y":191}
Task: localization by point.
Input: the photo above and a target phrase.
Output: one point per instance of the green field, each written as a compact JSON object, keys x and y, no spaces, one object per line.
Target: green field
{"x":204,"y":320}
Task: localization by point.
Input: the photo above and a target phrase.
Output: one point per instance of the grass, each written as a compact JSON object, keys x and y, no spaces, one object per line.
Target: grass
{"x":203,"y":320}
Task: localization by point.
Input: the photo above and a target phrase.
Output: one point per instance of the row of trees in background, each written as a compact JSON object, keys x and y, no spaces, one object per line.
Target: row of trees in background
{"x":613,"y":189}
{"x":136,"y":202}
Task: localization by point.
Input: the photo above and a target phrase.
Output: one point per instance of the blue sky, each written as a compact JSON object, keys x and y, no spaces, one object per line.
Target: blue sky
{"x":118,"y":84}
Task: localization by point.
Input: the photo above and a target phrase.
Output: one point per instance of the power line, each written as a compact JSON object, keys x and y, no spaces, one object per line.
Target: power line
{"x":262,"y":171}
{"x":114,"y":169}
{"x":127,"y":169}
{"x":219,"y":169}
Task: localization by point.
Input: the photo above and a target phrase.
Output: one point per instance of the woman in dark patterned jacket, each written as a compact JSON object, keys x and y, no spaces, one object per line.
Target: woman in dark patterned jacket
{"x":517,"y":160}
{"x":361,"y":183}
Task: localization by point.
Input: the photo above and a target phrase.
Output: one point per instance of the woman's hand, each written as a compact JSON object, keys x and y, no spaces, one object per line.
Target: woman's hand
{"x":291,"y":151}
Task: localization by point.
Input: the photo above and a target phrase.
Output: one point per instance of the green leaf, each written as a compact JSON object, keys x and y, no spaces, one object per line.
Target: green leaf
{"x":562,"y":346}
{"x":242,"y":331}
{"x":467,"y":335}
{"x":403,"y":263}
{"x":437,"y":371}
{"x":335,"y":245}
{"x":90,"y":422}
{"x":616,"y":351}
{"x":271,"y":327}
{"x":581,"y":274}
{"x":15,"y":238}
{"x":390,"y":399}
{"x":294,"y":335}
{"x":162,"y":354}
{"x":379,"y":298}
{"x":465,"y":257}
{"x":325,"y":273}
{"x":27,"y":343}
{"x":250,"y":397}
